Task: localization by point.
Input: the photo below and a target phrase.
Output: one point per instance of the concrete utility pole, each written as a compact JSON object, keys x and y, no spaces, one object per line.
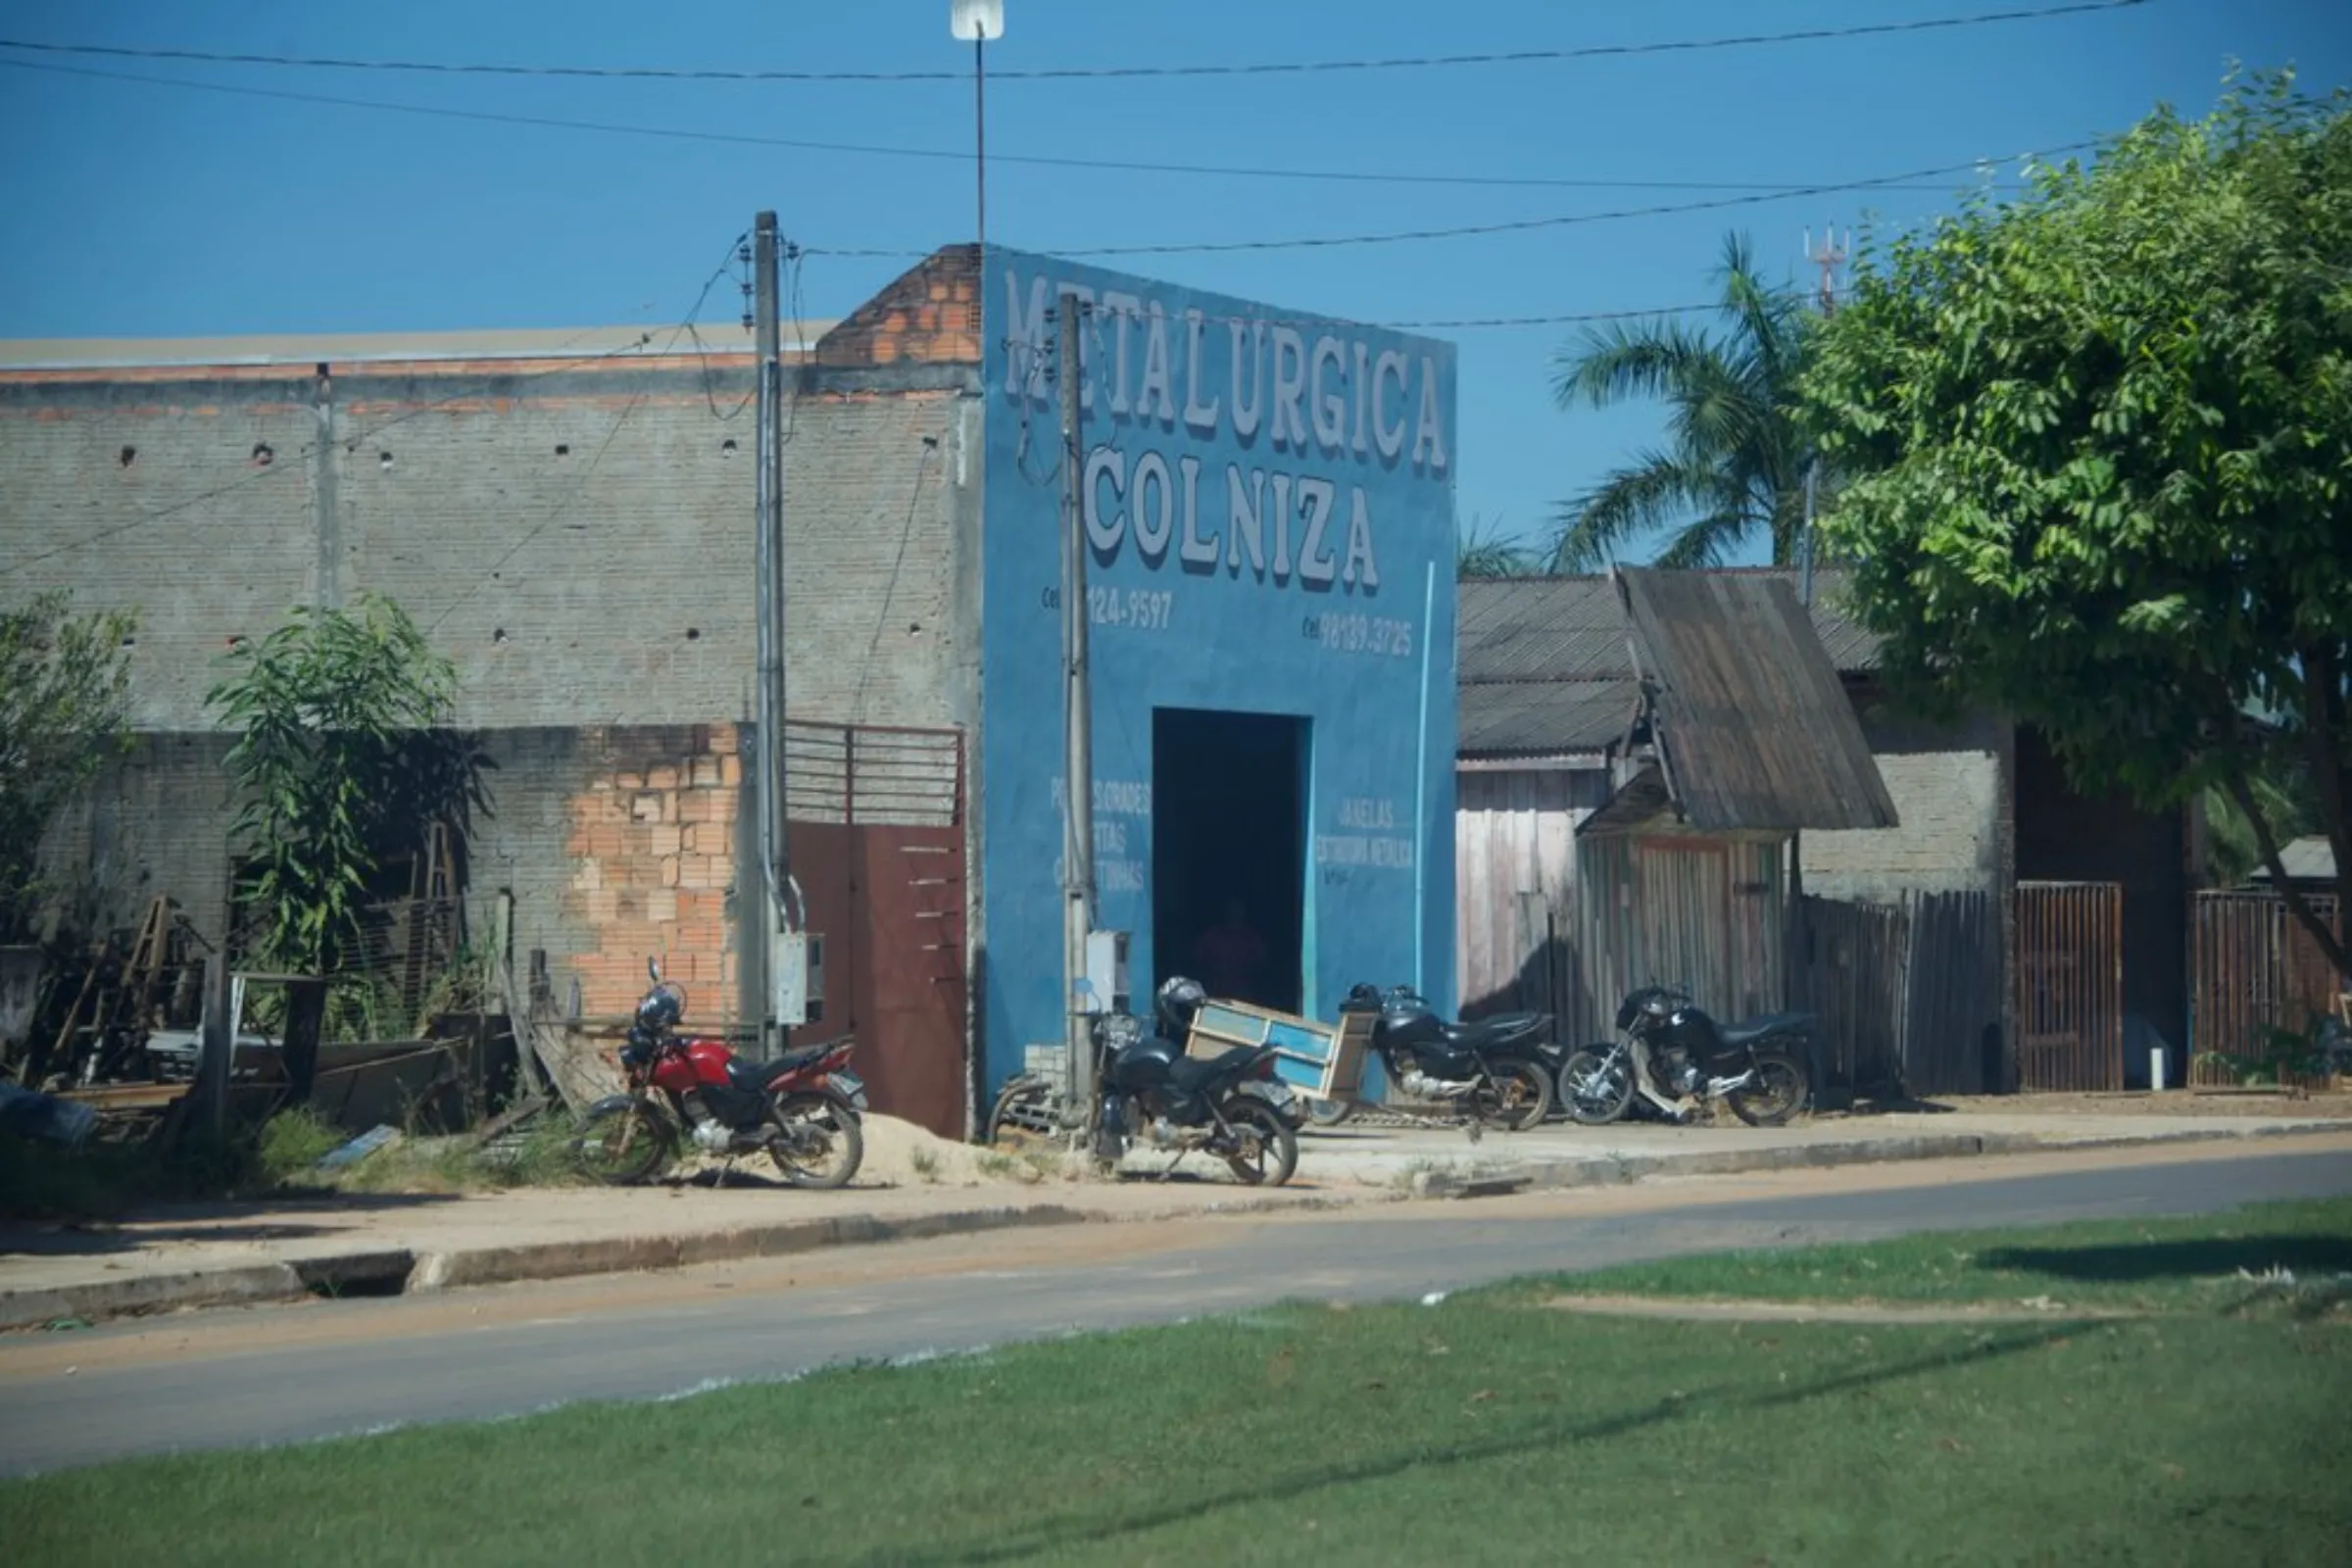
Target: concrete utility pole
{"x":1078,"y":815}
{"x":775,"y":855}
{"x":1827,"y":259}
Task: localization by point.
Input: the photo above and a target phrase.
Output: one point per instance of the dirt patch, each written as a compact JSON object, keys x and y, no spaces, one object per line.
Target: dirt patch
{"x":899,"y":1153}
{"x":2337,"y":1104}
{"x":2038,"y":1309}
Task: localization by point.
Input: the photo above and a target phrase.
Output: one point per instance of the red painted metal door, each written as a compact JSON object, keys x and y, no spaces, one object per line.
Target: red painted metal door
{"x":877,"y":833}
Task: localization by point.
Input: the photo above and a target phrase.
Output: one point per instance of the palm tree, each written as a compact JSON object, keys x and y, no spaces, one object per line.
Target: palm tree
{"x":1734,"y":463}
{"x":1490,"y":553}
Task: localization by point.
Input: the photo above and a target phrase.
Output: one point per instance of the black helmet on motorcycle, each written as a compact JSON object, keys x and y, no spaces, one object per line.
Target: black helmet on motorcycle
{"x":662,"y":1007}
{"x":1173,"y":1007}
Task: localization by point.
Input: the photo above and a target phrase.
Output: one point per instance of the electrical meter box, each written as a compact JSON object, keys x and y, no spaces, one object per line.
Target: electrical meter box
{"x":798,"y":969}
{"x":1107,"y":988}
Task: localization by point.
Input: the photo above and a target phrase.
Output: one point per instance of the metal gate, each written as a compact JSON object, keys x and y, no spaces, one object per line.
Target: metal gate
{"x":2070,"y":985}
{"x":877,"y":823}
{"x":2256,"y":969}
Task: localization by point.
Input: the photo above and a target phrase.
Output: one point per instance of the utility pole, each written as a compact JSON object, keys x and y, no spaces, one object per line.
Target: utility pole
{"x":1078,"y":814}
{"x":775,"y":855}
{"x":1828,"y":257}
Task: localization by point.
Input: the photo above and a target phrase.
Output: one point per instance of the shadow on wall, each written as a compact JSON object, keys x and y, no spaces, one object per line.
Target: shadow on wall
{"x":1550,"y":980}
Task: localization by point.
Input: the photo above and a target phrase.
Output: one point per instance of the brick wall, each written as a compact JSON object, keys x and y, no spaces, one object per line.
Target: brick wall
{"x":581,"y":544}
{"x":616,"y":843}
{"x":155,"y":824}
{"x":580,"y":540}
{"x":652,"y":847}
{"x":930,"y":315}
{"x":1947,"y":790}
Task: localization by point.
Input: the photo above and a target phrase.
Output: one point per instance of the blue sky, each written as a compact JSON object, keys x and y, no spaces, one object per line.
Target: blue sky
{"x":144,"y":209}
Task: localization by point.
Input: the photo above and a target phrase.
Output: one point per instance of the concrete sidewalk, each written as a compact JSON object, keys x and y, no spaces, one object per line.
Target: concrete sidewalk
{"x":220,"y":1255}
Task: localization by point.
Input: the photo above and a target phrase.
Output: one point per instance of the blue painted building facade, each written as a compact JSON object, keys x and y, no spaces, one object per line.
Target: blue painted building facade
{"x":1269,"y":514}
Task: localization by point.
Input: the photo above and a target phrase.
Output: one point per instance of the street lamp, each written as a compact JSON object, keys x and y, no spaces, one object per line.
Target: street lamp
{"x":978,"y":21}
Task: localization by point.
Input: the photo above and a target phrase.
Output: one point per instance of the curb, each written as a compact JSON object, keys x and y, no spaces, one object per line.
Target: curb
{"x":382,"y":1271}
{"x":630,"y":1254}
{"x":1610,"y":1170}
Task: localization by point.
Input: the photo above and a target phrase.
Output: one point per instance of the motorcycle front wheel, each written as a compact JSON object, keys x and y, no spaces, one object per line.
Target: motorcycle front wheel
{"x":818,"y":1143}
{"x":1023,"y":1118}
{"x":1268,"y":1151}
{"x":1597,"y":1086}
{"x":1777,"y":1093}
{"x":624,"y":1146}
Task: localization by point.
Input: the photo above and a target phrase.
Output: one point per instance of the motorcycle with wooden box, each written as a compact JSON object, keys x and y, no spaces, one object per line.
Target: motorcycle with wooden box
{"x":1489,"y":1070}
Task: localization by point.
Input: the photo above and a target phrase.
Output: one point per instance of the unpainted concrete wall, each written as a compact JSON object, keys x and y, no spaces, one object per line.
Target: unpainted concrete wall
{"x":579,"y":542}
{"x":1946,"y":786}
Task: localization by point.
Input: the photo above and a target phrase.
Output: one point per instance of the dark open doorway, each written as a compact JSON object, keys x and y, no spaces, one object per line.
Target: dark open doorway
{"x":1228,"y":845}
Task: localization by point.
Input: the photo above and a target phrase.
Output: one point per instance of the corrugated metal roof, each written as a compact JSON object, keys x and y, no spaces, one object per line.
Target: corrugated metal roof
{"x":1543,"y":718}
{"x":1545,"y":668}
{"x":1572,"y":628}
{"x":2308,"y":859}
{"x":1757,"y":728}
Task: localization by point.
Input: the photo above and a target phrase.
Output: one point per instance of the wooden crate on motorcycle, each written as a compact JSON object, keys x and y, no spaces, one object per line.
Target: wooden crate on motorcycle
{"x":1325,"y":1062}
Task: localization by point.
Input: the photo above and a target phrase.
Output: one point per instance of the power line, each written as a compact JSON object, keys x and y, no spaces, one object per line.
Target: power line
{"x":1511,"y":57}
{"x":1481,"y":230}
{"x":931,"y":154}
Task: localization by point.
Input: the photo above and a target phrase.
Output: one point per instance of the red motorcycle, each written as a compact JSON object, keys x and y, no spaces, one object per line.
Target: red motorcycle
{"x":802,"y":1108}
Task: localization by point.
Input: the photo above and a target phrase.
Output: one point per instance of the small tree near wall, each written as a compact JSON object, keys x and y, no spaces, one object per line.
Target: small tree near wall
{"x":344,"y":761}
{"x":64,"y":685}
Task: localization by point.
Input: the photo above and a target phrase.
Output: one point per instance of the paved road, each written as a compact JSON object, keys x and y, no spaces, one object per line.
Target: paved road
{"x":287,"y":1374}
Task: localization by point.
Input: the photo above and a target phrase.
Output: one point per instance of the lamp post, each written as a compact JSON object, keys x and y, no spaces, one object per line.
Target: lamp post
{"x":978,"y":21}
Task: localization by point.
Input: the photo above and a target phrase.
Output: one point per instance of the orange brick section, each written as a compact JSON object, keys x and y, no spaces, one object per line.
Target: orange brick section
{"x":638,"y":888}
{"x":929,"y":315}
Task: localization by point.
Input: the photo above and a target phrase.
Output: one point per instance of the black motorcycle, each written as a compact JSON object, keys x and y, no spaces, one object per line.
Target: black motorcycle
{"x":1150,"y":1091}
{"x":1493,"y":1070}
{"x":1676,"y":1059}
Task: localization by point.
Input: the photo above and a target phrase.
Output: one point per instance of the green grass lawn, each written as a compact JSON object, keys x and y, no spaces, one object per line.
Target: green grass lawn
{"x":1487,"y":1428}
{"x":2161,"y":1266}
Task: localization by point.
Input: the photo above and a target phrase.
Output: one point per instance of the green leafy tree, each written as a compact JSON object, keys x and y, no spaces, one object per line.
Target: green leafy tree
{"x":343,"y":759}
{"x":1732,"y":465}
{"x":2099,"y":455}
{"x":65,"y":686}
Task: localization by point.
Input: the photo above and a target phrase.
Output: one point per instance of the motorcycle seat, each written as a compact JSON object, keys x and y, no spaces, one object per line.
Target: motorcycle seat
{"x":1503,"y":1029}
{"x":1751,"y":1031}
{"x":756,"y":1077}
{"x":1191,"y":1074}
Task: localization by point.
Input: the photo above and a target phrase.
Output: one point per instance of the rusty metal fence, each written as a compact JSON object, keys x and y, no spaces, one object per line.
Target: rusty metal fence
{"x":1952,"y":1020}
{"x":2255,"y":969}
{"x":1908,"y":990}
{"x":1851,"y":967}
{"x":2070,"y":985}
